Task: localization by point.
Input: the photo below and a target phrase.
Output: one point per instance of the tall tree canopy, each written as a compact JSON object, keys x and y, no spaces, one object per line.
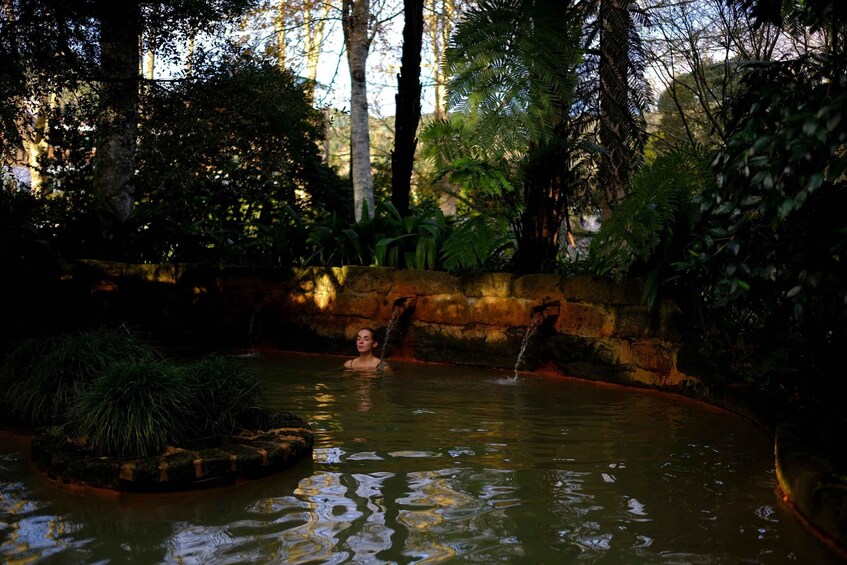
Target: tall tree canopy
{"x":60,"y":44}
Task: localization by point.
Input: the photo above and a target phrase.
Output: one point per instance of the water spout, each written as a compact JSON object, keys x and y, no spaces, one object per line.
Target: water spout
{"x":535,"y":320}
{"x":397,"y":309}
{"x":548,"y":309}
{"x":253,"y":327}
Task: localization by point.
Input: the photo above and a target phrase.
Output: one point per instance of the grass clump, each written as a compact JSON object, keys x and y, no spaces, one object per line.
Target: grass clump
{"x":223,"y":392}
{"x":43,"y":376}
{"x":134,"y":408}
{"x":118,"y":396}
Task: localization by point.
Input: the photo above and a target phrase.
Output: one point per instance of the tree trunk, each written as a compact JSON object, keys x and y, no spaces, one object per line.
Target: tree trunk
{"x":313,"y":32}
{"x":439,"y":26}
{"x":615,"y":168}
{"x":355,"y":20}
{"x":190,"y":49}
{"x":541,"y":221}
{"x":36,"y":145}
{"x":408,"y":101}
{"x":280,"y":21}
{"x":116,"y":123}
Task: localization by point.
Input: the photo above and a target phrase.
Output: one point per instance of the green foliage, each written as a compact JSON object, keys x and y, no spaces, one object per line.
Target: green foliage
{"x":512,"y":137}
{"x":385,"y":239}
{"x":222,"y":393}
{"x":480,"y":169}
{"x":649,"y":229}
{"x":23,"y":249}
{"x":771,"y":258}
{"x":51,"y":45}
{"x":478,"y":243}
{"x":119,"y":396}
{"x":338,"y":241}
{"x":415,"y":238}
{"x":513,"y":64}
{"x":252,"y":170}
{"x":43,"y":376}
{"x":134,"y":408}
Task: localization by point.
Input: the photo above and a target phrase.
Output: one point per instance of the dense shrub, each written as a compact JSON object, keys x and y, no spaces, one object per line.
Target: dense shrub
{"x":112,"y":392}
{"x":134,"y":408}
{"x":42,"y":376}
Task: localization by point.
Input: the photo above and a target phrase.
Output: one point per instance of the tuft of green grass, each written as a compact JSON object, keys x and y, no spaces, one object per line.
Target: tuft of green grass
{"x":134,"y":409}
{"x":224,"y":391}
{"x":43,"y":376}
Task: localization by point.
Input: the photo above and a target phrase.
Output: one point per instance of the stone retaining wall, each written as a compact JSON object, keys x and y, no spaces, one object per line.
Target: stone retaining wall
{"x":589,"y":327}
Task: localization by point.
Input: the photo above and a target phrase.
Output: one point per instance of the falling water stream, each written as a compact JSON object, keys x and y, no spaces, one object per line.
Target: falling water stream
{"x":534,"y":322}
{"x":395,"y":315}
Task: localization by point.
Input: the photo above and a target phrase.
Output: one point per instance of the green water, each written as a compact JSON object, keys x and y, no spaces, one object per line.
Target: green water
{"x":433,"y":464}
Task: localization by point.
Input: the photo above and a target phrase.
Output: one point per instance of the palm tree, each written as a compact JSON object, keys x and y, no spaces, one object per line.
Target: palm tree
{"x":512,"y":64}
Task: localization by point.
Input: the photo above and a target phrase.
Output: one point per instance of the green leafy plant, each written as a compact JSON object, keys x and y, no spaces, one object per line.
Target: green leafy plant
{"x":415,"y":238}
{"x":222,"y":392}
{"x":134,"y":409}
{"x":43,"y":376}
{"x":661,"y":195}
{"x":770,"y":256}
{"x":478,"y":243}
{"x":337,"y":241}
{"x":648,"y":231}
{"x":512,"y":136}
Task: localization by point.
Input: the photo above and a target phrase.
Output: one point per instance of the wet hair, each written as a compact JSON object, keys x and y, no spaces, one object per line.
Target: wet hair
{"x":367,"y":328}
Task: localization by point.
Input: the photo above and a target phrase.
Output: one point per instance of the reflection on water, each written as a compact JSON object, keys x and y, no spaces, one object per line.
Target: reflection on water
{"x":433,"y":464}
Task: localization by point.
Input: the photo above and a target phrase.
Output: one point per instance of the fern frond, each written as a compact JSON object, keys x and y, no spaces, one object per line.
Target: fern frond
{"x":661,"y":198}
{"x":476,"y":243}
{"x":515,"y":60}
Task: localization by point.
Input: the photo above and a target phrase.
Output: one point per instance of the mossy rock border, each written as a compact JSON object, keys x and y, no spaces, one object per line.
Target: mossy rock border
{"x":245,"y":455}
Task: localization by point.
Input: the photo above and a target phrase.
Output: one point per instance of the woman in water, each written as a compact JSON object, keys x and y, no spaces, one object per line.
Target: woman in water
{"x":366,"y":343}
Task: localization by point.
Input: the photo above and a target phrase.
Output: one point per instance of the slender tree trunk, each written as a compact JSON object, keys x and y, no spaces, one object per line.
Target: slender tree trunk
{"x":190,"y":48}
{"x":355,"y":22}
{"x":149,"y":63}
{"x":148,"y":54}
{"x":436,"y":24}
{"x":279,"y":29}
{"x":313,"y":31}
{"x":116,"y":123}
{"x":615,"y":169}
{"x":35,"y":142}
{"x":439,"y":26}
{"x":408,"y":99}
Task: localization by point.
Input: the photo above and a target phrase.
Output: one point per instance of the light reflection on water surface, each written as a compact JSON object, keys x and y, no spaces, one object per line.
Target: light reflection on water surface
{"x":428,"y":464}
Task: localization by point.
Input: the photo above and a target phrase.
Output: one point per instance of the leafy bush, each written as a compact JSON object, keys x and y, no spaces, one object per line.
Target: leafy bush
{"x":478,"y":243}
{"x":337,"y":241}
{"x":43,"y":376}
{"x":252,"y":169}
{"x":222,"y":392}
{"x":770,"y":259}
{"x":649,"y":230}
{"x":414,"y":238}
{"x":134,"y":408}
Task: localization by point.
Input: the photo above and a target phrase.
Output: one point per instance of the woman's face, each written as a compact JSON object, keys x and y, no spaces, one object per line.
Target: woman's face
{"x":365,"y":341}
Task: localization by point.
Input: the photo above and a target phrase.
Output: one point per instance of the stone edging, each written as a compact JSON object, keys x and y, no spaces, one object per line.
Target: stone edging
{"x":808,"y":480}
{"x":244,"y":455}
